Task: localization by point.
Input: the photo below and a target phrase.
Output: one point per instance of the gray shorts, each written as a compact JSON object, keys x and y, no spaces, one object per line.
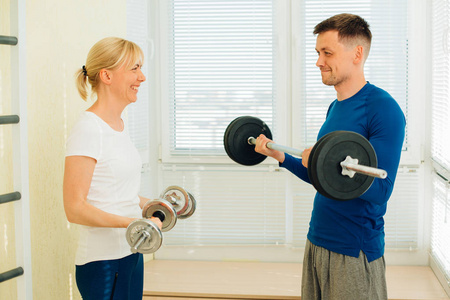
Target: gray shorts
{"x":331,"y":276}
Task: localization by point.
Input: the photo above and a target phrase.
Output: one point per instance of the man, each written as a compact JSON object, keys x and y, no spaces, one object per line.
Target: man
{"x":344,"y":253}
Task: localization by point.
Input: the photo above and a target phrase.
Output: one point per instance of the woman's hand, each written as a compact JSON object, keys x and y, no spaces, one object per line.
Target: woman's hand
{"x":157,"y":221}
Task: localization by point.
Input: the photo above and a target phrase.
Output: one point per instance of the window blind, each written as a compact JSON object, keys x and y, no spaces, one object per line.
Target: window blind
{"x":440,"y":232}
{"x":402,"y":225}
{"x":220,"y":67}
{"x":440,"y":146}
{"x":440,"y":143}
{"x":386,"y":66}
{"x":138,"y":113}
{"x":249,"y":210}
{"x":137,"y":32}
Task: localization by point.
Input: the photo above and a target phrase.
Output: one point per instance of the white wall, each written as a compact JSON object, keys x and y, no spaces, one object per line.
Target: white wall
{"x":59,"y":36}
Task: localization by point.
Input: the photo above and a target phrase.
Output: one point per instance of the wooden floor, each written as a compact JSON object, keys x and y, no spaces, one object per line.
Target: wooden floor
{"x":195,"y":280}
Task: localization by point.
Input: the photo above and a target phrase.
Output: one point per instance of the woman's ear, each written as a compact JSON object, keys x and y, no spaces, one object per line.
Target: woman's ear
{"x":105,"y":76}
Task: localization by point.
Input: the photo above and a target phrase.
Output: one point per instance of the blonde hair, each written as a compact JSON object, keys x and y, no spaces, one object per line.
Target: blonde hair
{"x":109,"y":53}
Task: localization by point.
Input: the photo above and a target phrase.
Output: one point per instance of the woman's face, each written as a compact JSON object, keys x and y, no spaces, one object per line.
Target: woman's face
{"x":126,"y":81}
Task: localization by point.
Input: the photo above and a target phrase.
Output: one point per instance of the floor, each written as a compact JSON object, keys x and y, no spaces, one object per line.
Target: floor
{"x":200,"y":280}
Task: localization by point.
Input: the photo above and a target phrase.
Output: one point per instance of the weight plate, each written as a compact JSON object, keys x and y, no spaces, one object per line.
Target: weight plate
{"x":225,"y":138}
{"x":178,"y":197}
{"x":191,"y":208}
{"x":163,"y":206}
{"x":236,"y":140}
{"x":312,"y":172}
{"x":142,"y":227}
{"x":326,"y":169}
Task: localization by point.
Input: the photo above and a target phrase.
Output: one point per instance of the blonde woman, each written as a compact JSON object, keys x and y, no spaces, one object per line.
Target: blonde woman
{"x":102,"y":174}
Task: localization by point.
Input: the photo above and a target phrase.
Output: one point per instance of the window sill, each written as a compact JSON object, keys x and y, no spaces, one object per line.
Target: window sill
{"x":165,"y":279}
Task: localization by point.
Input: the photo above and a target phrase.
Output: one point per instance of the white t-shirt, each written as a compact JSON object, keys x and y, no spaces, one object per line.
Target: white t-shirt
{"x":114,"y":187}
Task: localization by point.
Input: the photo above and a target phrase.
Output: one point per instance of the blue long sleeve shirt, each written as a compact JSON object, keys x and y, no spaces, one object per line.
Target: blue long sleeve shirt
{"x":346,"y":227}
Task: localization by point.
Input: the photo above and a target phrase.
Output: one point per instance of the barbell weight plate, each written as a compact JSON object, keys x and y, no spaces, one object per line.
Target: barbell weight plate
{"x":191,"y":208}
{"x":311,"y":173}
{"x":164,"y":206}
{"x":178,"y":197}
{"x":150,"y":244}
{"x":326,"y":168}
{"x":317,"y":184}
{"x":226,"y":136}
{"x":236,"y":140}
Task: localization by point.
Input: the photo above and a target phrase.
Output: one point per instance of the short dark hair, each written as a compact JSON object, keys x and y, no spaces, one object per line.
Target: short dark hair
{"x":349,"y":27}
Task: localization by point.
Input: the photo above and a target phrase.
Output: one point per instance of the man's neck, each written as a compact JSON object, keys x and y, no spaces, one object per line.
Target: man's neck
{"x":349,"y":88}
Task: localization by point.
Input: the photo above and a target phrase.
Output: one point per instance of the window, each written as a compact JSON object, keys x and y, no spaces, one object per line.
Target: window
{"x":217,"y":60}
{"x":220,"y":66}
{"x":440,"y":146}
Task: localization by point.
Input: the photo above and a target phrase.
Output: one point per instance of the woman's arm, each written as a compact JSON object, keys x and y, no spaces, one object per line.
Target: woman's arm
{"x":77,"y":180}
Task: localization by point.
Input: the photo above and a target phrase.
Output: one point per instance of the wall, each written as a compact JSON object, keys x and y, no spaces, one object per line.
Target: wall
{"x":59,"y":36}
{"x":7,"y":239}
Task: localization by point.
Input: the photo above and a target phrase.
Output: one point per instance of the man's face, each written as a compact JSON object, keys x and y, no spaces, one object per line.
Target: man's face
{"x":335,"y":59}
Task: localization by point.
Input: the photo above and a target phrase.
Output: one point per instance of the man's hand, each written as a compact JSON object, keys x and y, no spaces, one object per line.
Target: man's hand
{"x":305,"y":156}
{"x":261,"y":147}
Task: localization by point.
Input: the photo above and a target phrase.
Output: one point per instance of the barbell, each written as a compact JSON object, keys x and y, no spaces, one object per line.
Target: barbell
{"x":342,"y":164}
{"x":143,"y":235}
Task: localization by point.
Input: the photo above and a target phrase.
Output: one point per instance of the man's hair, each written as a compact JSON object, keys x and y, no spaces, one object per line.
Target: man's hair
{"x":352,"y":29}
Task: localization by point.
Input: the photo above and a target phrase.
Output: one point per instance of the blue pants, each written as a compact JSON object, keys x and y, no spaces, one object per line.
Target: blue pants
{"x":117,"y":279}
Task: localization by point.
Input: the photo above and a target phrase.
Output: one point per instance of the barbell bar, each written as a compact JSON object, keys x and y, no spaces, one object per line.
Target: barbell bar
{"x":329,"y":170}
{"x":350,"y":165}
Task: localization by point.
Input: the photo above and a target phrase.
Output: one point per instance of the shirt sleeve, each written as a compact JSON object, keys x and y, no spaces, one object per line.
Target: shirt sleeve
{"x":294,"y":165}
{"x":85,"y":140}
{"x":386,"y":134}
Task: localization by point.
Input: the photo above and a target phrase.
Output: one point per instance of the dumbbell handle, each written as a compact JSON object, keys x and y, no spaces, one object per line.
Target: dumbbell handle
{"x":160,"y":215}
{"x":355,"y":167}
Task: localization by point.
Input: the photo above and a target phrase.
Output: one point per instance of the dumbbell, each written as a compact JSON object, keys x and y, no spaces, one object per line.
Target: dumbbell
{"x":174,"y":202}
{"x":144,"y":236}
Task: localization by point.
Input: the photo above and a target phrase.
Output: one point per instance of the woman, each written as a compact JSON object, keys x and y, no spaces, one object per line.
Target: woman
{"x":102,"y":174}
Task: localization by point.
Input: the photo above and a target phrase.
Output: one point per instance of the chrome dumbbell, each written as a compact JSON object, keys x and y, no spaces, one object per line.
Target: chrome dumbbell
{"x":143,"y":235}
{"x":175,"y":202}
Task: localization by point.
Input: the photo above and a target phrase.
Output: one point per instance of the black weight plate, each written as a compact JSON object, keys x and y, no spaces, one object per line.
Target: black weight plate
{"x":312,"y":162}
{"x":236,"y":140}
{"x":317,"y":185}
{"x":312,"y":172}
{"x":327,"y":169}
{"x":226,"y":135}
